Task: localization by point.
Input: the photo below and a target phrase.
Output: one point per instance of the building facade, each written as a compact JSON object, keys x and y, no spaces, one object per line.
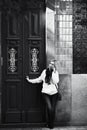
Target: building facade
{"x":31,"y":34}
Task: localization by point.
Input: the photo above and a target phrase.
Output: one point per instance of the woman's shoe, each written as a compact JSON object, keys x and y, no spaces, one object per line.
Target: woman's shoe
{"x":50,"y":126}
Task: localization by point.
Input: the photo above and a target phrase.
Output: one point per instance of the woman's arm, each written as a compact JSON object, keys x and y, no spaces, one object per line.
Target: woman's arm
{"x":55,"y":77}
{"x":36,"y":80}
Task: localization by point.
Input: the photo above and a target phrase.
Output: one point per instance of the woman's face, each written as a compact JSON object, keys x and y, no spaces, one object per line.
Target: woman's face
{"x":51,"y":65}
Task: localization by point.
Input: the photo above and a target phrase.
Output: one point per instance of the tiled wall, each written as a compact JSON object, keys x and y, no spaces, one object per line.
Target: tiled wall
{"x":63,"y":36}
{"x":59,"y":36}
{"x":71,"y":55}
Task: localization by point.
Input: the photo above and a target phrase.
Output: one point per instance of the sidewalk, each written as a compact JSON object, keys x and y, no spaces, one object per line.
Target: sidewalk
{"x":56,"y":128}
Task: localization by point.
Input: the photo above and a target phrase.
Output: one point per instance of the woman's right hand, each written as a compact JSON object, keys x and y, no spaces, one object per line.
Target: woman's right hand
{"x":27,"y":78}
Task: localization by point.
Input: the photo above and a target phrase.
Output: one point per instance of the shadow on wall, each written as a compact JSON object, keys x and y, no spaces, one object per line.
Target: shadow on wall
{"x":64,"y":107}
{"x":50,"y":48}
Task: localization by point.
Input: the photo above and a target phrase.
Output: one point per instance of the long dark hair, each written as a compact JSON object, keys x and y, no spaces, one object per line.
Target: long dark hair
{"x":48,"y":75}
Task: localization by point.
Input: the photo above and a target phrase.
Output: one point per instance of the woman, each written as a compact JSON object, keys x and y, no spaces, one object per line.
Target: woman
{"x":50,"y":79}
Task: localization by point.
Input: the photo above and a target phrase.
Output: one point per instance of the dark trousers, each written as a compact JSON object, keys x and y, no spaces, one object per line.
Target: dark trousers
{"x":50,"y":101}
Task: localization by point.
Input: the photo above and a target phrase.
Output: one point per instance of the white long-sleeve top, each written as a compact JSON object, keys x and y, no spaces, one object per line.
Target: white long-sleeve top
{"x":49,"y":89}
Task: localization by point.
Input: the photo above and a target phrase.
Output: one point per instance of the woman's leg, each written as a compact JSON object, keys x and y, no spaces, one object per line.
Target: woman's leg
{"x":47,"y":99}
{"x":54,"y":102}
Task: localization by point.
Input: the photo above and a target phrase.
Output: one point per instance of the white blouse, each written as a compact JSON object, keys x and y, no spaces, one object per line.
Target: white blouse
{"x":49,"y":89}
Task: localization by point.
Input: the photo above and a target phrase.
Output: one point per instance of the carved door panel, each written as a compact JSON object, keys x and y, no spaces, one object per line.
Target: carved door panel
{"x":34,"y":63}
{"x":12,"y":67}
{"x":23,"y":52}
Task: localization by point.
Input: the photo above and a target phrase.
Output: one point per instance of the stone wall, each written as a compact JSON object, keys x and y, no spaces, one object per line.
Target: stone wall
{"x":72,"y":109}
{"x":80,"y":36}
{"x":79,"y":99}
{"x":64,"y":107}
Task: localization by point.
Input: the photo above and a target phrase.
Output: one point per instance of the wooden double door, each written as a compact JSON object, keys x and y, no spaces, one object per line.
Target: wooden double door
{"x":23,"y":53}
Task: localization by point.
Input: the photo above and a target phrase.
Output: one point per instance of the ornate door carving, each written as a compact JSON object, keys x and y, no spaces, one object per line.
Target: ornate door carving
{"x":34,"y":63}
{"x":23,"y":51}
